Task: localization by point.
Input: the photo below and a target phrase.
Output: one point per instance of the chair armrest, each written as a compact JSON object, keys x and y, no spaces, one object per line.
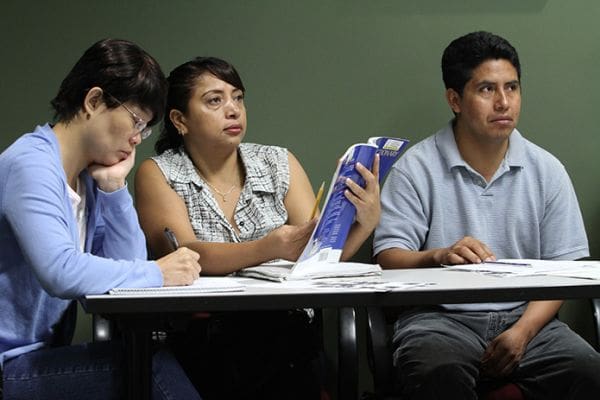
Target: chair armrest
{"x":379,"y":351}
{"x":101,"y":329}
{"x":347,"y":354}
{"x":596,"y":312}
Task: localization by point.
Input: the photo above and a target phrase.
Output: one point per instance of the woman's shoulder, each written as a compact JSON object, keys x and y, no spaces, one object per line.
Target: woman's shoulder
{"x":169,"y":155}
{"x":262,"y":153}
{"x":175,"y":165}
{"x":170,"y":159}
{"x":262,"y":148}
{"x":39,"y":147}
{"x":266,"y":163}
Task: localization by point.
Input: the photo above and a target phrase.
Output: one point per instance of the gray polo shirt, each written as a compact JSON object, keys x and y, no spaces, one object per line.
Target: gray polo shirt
{"x":432,"y":198}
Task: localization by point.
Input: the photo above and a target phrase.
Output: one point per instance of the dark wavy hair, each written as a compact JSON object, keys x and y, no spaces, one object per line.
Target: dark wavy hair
{"x":181,"y":84}
{"x":467,"y":52}
{"x":120,"y":68}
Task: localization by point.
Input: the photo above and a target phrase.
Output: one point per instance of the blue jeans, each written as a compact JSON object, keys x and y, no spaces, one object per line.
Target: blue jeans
{"x":438,"y":352}
{"x":88,"y":371}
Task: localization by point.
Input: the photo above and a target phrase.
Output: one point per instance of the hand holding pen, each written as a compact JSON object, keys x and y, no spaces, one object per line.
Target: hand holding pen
{"x":181,"y":266}
{"x":170,"y":235}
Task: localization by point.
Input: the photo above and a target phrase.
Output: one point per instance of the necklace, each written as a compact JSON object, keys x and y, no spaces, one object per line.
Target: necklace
{"x":217,"y":191}
{"x":223,"y":195}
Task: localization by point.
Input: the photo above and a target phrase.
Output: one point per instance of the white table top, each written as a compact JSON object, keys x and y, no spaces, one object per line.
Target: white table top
{"x":445,"y":287}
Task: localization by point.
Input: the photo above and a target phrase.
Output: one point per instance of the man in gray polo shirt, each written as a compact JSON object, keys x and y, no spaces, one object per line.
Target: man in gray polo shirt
{"x":478,"y":190}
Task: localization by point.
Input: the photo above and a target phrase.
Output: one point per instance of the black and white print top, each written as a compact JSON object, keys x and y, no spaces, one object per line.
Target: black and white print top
{"x":260,"y":208}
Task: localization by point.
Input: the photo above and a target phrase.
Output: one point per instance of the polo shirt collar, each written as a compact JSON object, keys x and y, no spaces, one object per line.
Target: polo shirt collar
{"x":515,"y":156}
{"x":448,"y":148}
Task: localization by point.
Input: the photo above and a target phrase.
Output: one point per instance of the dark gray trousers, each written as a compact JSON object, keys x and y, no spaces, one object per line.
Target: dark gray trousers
{"x":437,"y":355}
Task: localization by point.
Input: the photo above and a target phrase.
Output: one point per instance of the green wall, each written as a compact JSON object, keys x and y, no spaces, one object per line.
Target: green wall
{"x":322,"y":74}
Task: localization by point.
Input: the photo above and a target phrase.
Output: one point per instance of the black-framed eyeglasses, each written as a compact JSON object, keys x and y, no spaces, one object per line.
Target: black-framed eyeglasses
{"x":138,"y":123}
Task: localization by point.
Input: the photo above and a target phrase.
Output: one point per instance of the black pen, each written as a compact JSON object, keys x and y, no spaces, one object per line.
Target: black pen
{"x":171,"y":238}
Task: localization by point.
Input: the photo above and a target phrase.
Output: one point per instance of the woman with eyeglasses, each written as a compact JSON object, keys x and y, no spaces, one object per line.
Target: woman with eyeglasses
{"x":68,"y":228}
{"x":238,"y":204}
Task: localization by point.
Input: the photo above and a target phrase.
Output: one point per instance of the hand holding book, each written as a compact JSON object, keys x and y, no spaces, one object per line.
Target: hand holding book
{"x":339,"y":213}
{"x":321,"y":255}
{"x":366,"y":200}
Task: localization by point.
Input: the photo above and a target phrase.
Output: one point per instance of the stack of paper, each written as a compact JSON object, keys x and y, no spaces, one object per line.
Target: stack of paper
{"x":284,"y":270}
{"x":527,"y":267}
{"x":201,"y":285}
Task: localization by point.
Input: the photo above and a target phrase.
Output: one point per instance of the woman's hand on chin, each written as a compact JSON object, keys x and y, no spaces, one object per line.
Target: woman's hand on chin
{"x":112,"y":177}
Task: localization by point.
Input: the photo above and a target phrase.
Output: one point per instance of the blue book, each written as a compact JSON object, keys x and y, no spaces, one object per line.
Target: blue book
{"x":330,"y":234}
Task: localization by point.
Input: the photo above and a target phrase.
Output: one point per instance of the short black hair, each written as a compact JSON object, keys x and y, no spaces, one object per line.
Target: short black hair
{"x":467,"y":52}
{"x":120,"y":68}
{"x":182,"y":82}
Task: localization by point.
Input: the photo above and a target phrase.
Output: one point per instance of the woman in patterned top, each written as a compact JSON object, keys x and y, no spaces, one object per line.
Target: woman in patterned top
{"x":237,"y":204}
{"x":209,"y":187}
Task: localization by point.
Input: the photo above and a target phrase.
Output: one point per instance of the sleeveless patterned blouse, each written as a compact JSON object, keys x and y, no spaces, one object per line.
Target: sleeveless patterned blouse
{"x":260,"y":208}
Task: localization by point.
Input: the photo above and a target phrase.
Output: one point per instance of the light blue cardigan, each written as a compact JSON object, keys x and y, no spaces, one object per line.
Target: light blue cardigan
{"x":41,"y":264}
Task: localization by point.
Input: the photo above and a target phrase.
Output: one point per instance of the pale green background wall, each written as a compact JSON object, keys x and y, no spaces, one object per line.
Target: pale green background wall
{"x":322,"y":74}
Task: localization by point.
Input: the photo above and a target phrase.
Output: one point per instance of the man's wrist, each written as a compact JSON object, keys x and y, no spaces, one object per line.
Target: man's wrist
{"x":437,"y":256}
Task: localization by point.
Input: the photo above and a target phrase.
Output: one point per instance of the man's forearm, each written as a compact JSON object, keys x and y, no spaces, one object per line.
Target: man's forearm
{"x":400,"y":258}
{"x":537,"y":315}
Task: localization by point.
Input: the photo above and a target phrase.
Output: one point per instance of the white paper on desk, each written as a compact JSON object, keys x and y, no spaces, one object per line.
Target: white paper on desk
{"x":514,"y":267}
{"x":280,"y":271}
{"x":578,"y":269}
{"x":204,"y":284}
{"x":370,"y":284}
{"x":494,"y":269}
